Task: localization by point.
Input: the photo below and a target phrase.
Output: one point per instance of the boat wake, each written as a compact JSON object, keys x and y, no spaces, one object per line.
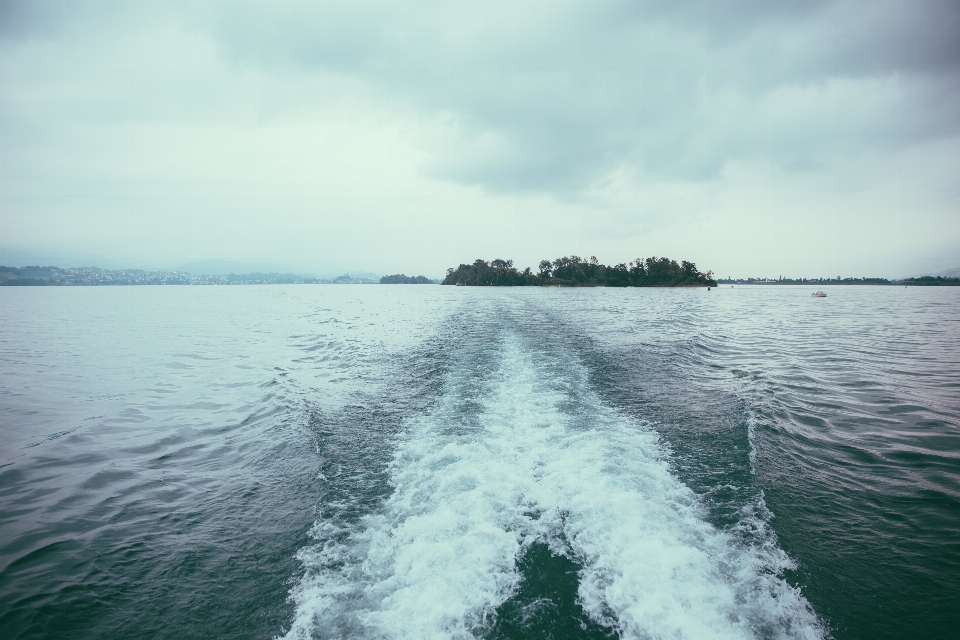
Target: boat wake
{"x":519,"y":453}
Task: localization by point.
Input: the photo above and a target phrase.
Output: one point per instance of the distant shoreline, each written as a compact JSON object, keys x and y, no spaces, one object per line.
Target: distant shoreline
{"x":38,"y":276}
{"x":923,"y":281}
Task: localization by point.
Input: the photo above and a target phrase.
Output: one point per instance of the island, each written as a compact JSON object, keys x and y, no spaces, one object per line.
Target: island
{"x":399,"y":278}
{"x":574,"y":271}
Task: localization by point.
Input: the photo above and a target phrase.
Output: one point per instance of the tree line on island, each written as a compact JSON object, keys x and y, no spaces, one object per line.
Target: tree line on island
{"x":574,"y":271}
{"x":399,"y":278}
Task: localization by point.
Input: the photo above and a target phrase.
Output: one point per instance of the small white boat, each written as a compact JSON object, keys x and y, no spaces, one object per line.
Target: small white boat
{"x":819,"y":294}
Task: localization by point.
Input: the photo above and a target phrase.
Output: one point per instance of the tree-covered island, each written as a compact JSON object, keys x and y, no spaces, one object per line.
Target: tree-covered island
{"x":399,"y":278}
{"x":574,"y":271}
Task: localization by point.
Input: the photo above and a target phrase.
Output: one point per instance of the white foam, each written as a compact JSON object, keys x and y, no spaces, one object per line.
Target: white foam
{"x":543,"y":459}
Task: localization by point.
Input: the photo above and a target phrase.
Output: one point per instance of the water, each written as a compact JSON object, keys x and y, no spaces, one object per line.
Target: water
{"x":446,"y":462}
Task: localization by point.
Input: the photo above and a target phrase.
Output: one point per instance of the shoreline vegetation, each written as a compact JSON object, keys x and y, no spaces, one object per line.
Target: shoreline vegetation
{"x":574,"y":271}
{"x":400,"y":278}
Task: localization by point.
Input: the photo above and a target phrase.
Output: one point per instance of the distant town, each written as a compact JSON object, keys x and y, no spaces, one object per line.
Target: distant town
{"x":93,"y":277}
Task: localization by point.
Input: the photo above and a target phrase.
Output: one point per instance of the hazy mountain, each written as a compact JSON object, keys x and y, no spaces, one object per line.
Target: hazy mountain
{"x":946,"y":273}
{"x":11,"y":257}
{"x":949,"y":273}
{"x":226,"y":267}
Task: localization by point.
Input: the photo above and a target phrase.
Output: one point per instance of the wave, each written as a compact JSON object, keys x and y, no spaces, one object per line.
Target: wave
{"x":519,"y":451}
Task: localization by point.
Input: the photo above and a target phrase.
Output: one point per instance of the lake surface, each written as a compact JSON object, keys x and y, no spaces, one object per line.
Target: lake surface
{"x":446,"y":462}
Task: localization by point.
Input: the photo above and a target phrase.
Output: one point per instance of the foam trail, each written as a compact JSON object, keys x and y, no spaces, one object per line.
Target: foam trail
{"x":534,"y":455}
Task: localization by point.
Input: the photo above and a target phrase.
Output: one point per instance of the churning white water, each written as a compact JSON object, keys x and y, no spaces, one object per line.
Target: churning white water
{"x":519,"y":449}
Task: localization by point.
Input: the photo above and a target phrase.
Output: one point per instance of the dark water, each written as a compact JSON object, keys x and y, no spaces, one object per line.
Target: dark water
{"x":376,"y":461}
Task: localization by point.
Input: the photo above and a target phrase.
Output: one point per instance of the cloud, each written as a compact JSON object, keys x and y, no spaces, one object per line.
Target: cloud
{"x":552,"y":96}
{"x":287,"y":126}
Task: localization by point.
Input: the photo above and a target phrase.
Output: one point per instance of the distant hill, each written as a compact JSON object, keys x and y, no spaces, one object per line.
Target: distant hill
{"x":94,"y":277}
{"x":21,"y":257}
{"x":949,"y":273}
{"x":226,"y":267}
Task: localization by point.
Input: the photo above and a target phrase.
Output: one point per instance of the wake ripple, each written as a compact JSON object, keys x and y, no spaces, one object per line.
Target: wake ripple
{"x":519,"y":452}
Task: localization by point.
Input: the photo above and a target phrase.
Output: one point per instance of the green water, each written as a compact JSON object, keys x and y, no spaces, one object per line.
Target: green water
{"x":440,"y":462}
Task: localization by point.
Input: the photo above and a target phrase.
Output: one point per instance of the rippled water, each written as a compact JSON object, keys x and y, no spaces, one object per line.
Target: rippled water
{"x":390,"y":461}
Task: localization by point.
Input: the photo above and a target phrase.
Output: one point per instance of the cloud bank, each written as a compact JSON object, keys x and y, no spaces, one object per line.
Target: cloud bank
{"x":806,"y":138}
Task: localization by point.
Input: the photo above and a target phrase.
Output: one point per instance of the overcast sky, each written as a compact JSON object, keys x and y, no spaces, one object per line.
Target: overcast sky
{"x":755,"y":137}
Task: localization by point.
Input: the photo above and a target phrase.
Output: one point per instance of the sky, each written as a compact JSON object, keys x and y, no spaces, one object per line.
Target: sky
{"x":802,"y":138}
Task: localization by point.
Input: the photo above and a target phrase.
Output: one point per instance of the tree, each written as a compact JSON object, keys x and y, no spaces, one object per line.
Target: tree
{"x":575,"y":271}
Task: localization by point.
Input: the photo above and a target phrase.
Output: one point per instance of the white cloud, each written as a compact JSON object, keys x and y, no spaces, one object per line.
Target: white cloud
{"x":415,"y":135}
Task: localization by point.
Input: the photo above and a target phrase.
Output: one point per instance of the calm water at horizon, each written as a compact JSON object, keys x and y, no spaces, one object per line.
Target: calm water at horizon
{"x":379,"y":461}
